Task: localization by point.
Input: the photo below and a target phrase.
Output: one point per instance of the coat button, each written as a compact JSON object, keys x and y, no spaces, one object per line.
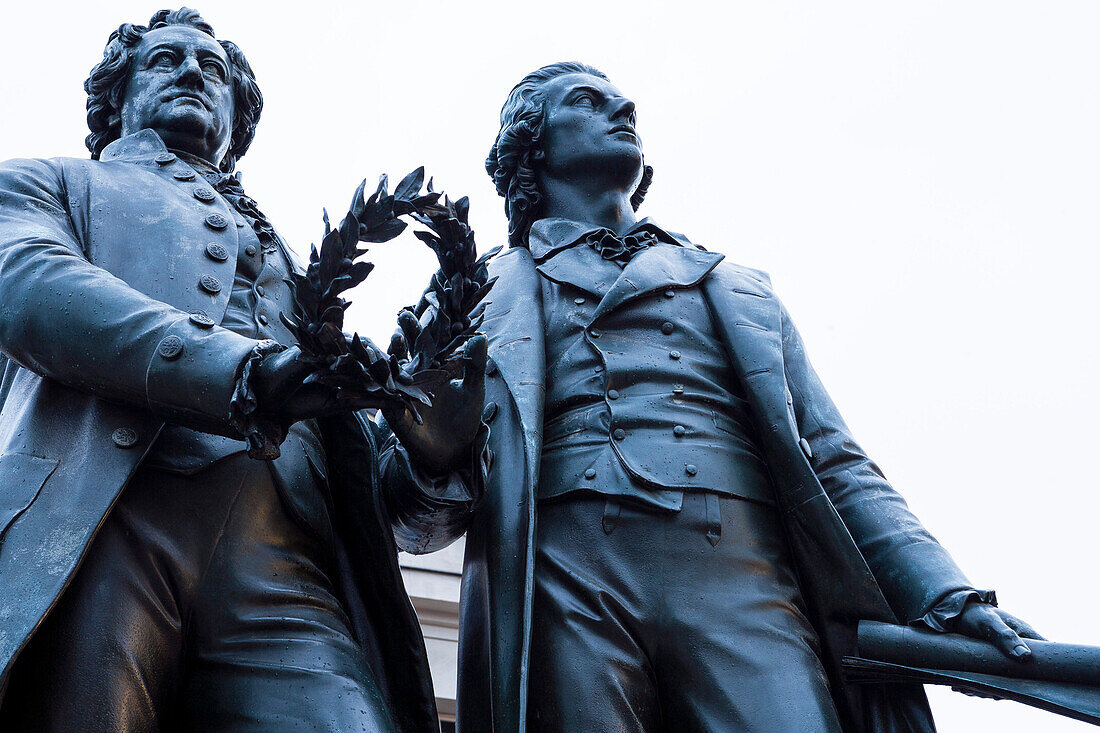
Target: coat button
{"x":667,"y":328}
{"x":679,"y":431}
{"x":200,"y":319}
{"x":217,"y":252}
{"x":612,"y":394}
{"x":260,"y":290}
{"x":594,"y":333}
{"x":490,"y":367}
{"x":790,"y":399}
{"x":184,"y":175}
{"x":125,"y":437}
{"x":204,"y":194}
{"x":690,"y":469}
{"x":489,"y":412}
{"x":590,"y":473}
{"x":678,"y":389}
{"x":170,"y":347}
{"x":578,"y":301}
{"x":250,"y":250}
{"x":619,"y":434}
{"x":805,"y":446}
{"x":670,"y":293}
{"x":674,"y":355}
{"x":210,"y":284}
{"x":217,"y":221}
{"x":165,"y":159}
{"x":263,"y":320}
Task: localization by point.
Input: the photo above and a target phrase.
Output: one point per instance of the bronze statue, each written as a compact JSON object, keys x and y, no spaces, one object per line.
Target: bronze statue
{"x":678,"y":531}
{"x":152,"y":574}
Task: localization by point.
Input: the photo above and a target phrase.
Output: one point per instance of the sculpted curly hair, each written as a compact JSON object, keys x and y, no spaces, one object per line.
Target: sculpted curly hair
{"x":106,"y":85}
{"x":511,"y":160}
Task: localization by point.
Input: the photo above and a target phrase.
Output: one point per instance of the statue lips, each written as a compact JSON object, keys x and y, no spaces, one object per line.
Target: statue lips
{"x":184,"y":95}
{"x":623,"y":128}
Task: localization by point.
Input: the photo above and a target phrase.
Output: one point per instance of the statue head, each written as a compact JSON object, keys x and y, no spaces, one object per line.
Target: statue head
{"x":565,"y":119}
{"x":199,"y":94}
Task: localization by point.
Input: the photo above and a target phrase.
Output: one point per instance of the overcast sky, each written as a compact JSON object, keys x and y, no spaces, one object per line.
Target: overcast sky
{"x":919,"y":178}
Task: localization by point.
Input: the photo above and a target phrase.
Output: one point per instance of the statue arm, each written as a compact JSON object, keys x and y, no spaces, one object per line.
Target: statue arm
{"x":913,"y":570}
{"x":66,"y":319}
{"x":427,"y":512}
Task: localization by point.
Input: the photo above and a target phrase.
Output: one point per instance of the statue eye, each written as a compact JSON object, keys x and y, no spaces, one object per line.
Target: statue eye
{"x":584,"y":99}
{"x":163,"y":58}
{"x":213,"y":70}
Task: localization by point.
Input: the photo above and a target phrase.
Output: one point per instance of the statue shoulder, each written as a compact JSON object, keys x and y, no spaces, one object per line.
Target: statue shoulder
{"x":49,"y":174}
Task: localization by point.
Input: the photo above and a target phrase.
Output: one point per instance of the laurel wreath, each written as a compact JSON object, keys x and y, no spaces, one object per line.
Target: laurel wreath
{"x":449,"y":313}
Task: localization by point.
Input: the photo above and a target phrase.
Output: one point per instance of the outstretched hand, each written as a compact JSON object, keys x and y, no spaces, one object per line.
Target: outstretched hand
{"x":1002,"y":629}
{"x":443,"y":438}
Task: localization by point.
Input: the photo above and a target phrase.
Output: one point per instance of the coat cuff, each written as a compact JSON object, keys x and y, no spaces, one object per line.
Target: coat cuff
{"x":943,"y":615}
{"x":437,"y":507}
{"x":264,"y":435}
{"x":192,"y":376}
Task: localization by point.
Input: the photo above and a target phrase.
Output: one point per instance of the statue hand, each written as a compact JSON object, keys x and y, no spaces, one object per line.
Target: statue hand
{"x":443,"y":440}
{"x":1002,"y":629}
{"x":282,"y":393}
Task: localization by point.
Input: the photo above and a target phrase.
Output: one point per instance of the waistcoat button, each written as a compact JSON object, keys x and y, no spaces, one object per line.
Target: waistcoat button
{"x":250,"y":250}
{"x":674,"y":355}
{"x":217,"y":252}
{"x":612,"y":394}
{"x":260,"y":290}
{"x":690,"y":469}
{"x":217,"y":221}
{"x":170,"y":348}
{"x":578,"y":301}
{"x":667,"y":328}
{"x":594,"y":333}
{"x":590,"y":473}
{"x":679,"y":431}
{"x":125,"y":437}
{"x":210,"y":284}
{"x":619,"y":434}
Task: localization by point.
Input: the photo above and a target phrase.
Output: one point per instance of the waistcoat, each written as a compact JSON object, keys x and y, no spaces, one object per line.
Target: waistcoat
{"x":641,"y":400}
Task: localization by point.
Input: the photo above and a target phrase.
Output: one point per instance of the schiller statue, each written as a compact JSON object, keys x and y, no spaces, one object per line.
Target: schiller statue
{"x":678,"y":531}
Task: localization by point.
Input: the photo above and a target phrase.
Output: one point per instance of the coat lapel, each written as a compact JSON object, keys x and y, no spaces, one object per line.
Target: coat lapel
{"x":748,"y":319}
{"x":514,"y":327}
{"x":657,"y":267}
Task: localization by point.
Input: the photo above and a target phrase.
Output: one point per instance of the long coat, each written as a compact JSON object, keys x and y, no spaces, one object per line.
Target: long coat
{"x":859,"y":552}
{"x":100,"y":263}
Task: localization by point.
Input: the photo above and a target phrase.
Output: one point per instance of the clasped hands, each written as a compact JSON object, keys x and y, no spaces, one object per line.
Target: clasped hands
{"x":438,"y":443}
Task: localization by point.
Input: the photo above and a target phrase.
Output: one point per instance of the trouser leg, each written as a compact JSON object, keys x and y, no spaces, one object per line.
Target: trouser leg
{"x":271,"y":647}
{"x":201,"y":605}
{"x":107,"y":657}
{"x":589,"y":669}
{"x":737,"y":652}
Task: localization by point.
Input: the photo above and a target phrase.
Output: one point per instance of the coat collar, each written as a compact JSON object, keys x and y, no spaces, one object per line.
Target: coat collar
{"x":558,"y":245}
{"x":145,"y":145}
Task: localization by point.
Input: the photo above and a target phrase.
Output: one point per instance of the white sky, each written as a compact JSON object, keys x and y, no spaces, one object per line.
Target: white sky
{"x":920,"y":179}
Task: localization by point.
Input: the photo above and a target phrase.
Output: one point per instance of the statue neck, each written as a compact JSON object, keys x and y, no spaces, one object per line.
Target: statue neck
{"x":608,"y":208}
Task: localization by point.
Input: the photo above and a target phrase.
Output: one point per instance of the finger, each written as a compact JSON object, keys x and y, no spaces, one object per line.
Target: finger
{"x":409,"y":325}
{"x":476,"y":353}
{"x":1004,"y":638}
{"x":1022,"y":628}
{"x":398,"y":346}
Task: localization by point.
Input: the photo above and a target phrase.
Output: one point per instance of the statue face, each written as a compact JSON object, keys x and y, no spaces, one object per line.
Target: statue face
{"x":180,"y":86}
{"x":589,"y":130}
